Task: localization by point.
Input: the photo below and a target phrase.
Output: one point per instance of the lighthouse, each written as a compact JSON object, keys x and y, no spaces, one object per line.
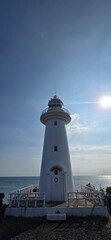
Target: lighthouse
{"x":56,"y":178}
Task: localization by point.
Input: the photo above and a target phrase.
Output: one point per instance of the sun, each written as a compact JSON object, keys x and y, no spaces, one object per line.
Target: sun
{"x":105,"y":102}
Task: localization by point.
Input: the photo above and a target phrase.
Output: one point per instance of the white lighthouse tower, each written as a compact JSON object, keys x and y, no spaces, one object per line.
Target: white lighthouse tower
{"x":56,"y":174}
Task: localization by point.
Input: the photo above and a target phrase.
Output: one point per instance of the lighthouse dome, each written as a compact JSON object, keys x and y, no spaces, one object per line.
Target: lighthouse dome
{"x":55,"y":102}
{"x":55,"y":111}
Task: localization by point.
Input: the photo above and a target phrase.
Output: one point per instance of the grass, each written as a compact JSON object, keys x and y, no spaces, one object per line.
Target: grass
{"x":12,"y":226}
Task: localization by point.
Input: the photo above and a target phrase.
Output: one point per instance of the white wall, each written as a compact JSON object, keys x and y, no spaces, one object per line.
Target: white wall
{"x":41,"y":212}
{"x":55,"y":136}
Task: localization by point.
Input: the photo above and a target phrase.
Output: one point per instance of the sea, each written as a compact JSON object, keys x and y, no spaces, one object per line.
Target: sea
{"x":10,"y":184}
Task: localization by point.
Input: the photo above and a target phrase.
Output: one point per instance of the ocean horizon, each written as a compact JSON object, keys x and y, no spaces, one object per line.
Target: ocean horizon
{"x":9,"y":184}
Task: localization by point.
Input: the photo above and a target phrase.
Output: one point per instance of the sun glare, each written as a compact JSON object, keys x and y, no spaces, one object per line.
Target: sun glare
{"x":105,"y":102}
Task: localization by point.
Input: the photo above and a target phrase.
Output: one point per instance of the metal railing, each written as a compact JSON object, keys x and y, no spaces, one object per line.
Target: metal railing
{"x":28,"y":200}
{"x":31,"y":197}
{"x":85,"y":199}
{"x":27,"y":197}
{"x":55,"y":109}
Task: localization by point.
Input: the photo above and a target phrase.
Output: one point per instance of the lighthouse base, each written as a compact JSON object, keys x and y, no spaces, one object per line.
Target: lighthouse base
{"x":29,"y":202}
{"x":57,"y":213}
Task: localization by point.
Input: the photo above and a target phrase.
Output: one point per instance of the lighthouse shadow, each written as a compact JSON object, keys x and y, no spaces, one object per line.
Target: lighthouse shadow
{"x":55,"y":204}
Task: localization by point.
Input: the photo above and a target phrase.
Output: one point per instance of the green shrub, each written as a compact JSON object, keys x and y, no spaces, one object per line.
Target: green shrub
{"x":107,"y":198}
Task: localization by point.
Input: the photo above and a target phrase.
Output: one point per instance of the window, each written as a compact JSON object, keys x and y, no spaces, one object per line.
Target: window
{"x":55,"y":123}
{"x":56,"y":171}
{"x":56,"y":168}
{"x":55,"y":148}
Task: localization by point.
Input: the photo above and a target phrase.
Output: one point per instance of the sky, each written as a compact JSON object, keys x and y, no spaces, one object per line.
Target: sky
{"x":61,"y":46}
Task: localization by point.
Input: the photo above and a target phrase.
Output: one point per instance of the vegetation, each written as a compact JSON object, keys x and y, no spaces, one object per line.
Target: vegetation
{"x":12,"y":226}
{"x":107,"y":199}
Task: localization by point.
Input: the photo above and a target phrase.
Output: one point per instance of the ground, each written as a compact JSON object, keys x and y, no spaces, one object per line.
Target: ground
{"x":37,"y":229}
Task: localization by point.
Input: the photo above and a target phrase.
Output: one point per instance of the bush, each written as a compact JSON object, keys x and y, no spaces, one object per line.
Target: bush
{"x":107,"y":199}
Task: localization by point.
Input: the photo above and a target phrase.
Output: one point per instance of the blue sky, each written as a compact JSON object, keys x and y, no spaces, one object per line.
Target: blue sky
{"x":61,"y":46}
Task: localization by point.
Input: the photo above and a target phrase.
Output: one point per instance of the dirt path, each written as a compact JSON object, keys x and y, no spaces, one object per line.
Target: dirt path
{"x":66,"y":231}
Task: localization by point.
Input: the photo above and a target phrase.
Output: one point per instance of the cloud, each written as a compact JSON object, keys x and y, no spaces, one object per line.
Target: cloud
{"x":74,"y":117}
{"x":87,"y":149}
{"x":91,"y":164}
{"x":20,"y":166}
{"x":77,"y":126}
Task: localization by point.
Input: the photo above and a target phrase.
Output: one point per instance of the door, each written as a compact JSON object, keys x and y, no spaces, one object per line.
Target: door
{"x":57,"y":185}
